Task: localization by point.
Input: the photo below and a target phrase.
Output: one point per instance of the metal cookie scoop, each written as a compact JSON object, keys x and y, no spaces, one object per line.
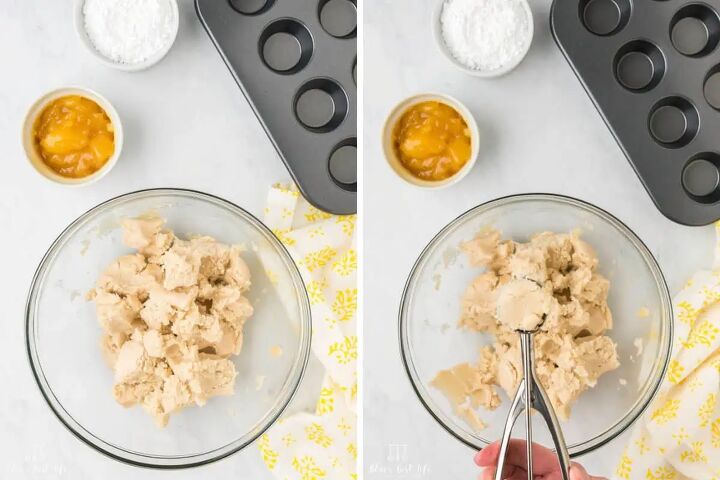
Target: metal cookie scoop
{"x":531,"y":395}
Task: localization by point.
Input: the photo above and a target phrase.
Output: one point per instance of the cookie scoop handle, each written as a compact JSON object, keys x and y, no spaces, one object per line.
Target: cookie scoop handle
{"x":542,"y":405}
{"x":530,"y":395}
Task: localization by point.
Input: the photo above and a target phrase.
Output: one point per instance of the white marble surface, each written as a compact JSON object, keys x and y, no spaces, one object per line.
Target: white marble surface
{"x":186,"y":125}
{"x":540,"y":132}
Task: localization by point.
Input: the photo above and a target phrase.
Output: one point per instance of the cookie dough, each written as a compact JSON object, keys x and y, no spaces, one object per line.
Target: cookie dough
{"x":173,"y":316}
{"x":550,"y":283}
{"x":524,"y":305}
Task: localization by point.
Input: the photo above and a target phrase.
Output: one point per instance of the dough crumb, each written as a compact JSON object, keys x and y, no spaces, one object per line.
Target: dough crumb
{"x":644,"y":312}
{"x":550,"y":283}
{"x":276,"y":351}
{"x":173,"y":315}
{"x":639,"y":346}
{"x":472,"y":418}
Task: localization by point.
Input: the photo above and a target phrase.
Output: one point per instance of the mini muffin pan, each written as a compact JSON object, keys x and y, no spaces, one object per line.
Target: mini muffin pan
{"x":652,"y":68}
{"x":295,"y":61}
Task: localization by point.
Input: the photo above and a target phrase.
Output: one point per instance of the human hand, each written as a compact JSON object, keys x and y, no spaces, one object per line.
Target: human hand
{"x":545,"y":463}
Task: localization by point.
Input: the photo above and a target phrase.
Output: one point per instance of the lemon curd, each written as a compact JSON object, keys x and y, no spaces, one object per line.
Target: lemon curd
{"x":74,"y":136}
{"x":432,"y":141}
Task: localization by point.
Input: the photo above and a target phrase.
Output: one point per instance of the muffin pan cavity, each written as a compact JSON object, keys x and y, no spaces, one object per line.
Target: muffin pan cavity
{"x":342,"y":164}
{"x":295,"y":62}
{"x":673,"y":122}
{"x":286,"y":46}
{"x":651,"y":69}
{"x":605,"y":17}
{"x":251,"y":7}
{"x":338,"y":17}
{"x":695,"y":30}
{"x":701,"y":177}
{"x":639,"y":66}
{"x":321,"y":105}
{"x":711,"y":87}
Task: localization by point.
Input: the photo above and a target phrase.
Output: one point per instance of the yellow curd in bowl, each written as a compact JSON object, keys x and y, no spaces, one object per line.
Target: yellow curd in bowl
{"x":74,"y":136}
{"x":432,"y":141}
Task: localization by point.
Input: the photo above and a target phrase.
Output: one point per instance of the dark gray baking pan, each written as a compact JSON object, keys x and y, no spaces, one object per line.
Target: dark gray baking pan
{"x":295,"y":62}
{"x":652,"y":68}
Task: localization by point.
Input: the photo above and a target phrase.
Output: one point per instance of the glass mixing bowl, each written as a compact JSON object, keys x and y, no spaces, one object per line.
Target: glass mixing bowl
{"x":63,"y":335}
{"x":430,"y":308}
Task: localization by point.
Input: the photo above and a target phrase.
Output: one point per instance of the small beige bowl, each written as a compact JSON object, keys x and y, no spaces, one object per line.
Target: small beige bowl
{"x":34,"y":157}
{"x":389,"y":149}
{"x":127,"y":67}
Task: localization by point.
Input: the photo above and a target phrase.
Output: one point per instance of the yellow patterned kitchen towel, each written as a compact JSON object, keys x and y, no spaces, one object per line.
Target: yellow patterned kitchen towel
{"x":321,"y":445}
{"x":679,"y":436}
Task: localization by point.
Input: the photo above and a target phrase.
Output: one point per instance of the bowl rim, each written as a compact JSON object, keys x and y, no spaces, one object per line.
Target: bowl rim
{"x":499,"y":72}
{"x":82,"y":34}
{"x":133,"y":457}
{"x":667,"y":321}
{"x":36,"y":109}
{"x":394,"y":116}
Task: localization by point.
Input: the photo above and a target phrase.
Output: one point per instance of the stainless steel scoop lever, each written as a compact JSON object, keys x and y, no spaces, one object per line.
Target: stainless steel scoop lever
{"x":531,"y":395}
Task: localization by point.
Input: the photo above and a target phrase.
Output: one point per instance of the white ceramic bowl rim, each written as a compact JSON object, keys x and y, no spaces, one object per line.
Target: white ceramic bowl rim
{"x":440,"y":41}
{"x":660,"y":370}
{"x":132,"y":457}
{"x":127,"y":67}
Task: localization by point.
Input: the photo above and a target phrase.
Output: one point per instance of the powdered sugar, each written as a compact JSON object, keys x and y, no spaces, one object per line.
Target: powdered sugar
{"x":485,"y":34}
{"x":129,"y":31}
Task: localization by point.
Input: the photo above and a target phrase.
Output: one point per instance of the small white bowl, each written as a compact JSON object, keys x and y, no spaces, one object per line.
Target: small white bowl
{"x":440,"y":41}
{"x":127,"y":67}
{"x":29,"y":142}
{"x":389,"y":148}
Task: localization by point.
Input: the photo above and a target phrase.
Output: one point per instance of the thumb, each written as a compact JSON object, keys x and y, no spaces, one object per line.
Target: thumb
{"x":578,"y":472}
